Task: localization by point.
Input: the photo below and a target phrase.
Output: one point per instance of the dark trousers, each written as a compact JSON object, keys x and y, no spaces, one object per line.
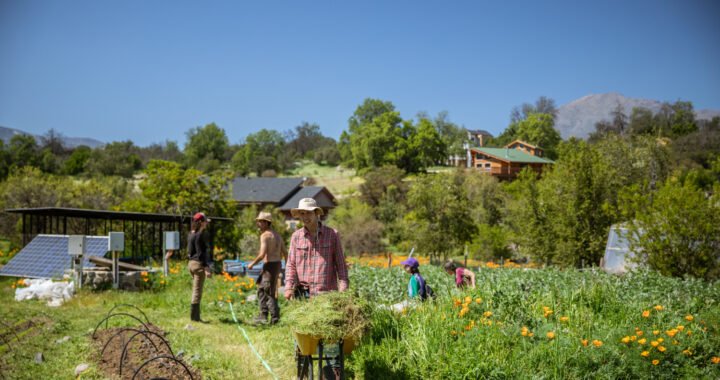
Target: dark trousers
{"x":266,"y":285}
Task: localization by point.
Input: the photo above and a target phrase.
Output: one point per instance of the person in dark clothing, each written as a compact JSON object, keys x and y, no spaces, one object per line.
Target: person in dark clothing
{"x":272,"y":251}
{"x":200,"y":261}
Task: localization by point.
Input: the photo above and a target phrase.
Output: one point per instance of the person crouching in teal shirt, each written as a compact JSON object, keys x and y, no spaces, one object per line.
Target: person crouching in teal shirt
{"x":417,"y":288}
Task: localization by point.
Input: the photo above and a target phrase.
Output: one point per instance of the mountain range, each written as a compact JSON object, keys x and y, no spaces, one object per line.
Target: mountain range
{"x":578,"y":118}
{"x":70,"y":142}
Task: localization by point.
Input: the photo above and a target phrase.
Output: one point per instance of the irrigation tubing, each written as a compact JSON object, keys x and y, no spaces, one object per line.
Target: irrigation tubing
{"x":267,"y":366}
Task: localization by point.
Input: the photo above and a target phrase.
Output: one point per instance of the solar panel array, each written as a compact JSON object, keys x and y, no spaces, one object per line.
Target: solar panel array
{"x":47,"y":256}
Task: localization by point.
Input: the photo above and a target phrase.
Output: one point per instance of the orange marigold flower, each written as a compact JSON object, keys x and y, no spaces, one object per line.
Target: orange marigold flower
{"x":468,"y":299}
{"x":658,"y":307}
{"x":656,"y":362}
{"x":487,"y":314}
{"x":625,"y":339}
{"x":645,"y":354}
{"x":550,"y":335}
{"x":715,"y":360}
{"x":681,"y":327}
{"x":642,"y":341}
{"x":655,"y":332}
{"x":654,"y":343}
{"x":564,"y":319}
{"x":687,"y":352}
{"x":660,"y":340}
{"x":478,"y":300}
{"x":584,"y":342}
{"x":639,"y":332}
{"x":597,"y":343}
{"x":633,"y":338}
{"x":671,"y":333}
{"x":646,"y":313}
{"x":689,"y":318}
{"x":661,"y":348}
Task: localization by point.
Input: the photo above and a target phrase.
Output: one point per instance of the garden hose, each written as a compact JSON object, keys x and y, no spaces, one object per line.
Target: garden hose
{"x":267,"y":366}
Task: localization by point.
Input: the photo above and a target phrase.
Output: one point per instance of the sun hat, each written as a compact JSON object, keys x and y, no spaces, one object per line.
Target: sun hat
{"x":308,"y":204}
{"x":411,"y":262}
{"x":200,"y":217}
{"x":264,"y":215}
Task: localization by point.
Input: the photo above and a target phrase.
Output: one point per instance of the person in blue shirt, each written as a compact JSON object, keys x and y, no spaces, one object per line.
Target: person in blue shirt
{"x":417,"y":288}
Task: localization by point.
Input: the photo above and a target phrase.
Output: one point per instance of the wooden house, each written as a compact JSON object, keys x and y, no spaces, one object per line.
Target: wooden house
{"x":507,"y":162}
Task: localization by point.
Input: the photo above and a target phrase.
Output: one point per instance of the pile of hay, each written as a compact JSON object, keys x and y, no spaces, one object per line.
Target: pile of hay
{"x":330,"y":316}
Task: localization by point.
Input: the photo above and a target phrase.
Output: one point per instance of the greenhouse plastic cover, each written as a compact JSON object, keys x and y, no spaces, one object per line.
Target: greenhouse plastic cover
{"x":617,"y":251}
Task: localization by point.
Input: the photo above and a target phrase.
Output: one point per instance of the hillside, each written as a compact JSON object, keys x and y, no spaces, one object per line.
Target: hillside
{"x":578,"y":118}
{"x":70,"y":142}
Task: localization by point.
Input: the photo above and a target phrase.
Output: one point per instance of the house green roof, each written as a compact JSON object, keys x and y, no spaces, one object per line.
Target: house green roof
{"x":512,"y":155}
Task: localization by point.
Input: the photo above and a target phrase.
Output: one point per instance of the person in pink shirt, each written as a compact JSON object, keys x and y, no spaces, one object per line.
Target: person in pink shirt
{"x":463,"y":276}
{"x":316,"y":263}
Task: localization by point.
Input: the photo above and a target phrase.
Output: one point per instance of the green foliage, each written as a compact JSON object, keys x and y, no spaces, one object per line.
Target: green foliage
{"x":537,"y":129}
{"x":677,"y":230}
{"x":378,"y":181}
{"x":436,"y":340}
{"x":262,"y":151}
{"x":168,"y":188}
{"x":117,"y":158}
{"x":439,"y":220}
{"x":23,"y":151}
{"x":360,"y":232}
{"x":78,"y":161}
{"x":492,"y":243}
{"x":378,"y":136}
{"x":206,"y":147}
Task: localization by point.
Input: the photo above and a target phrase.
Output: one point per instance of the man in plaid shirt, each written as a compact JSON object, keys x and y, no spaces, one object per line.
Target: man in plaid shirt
{"x":316,"y":262}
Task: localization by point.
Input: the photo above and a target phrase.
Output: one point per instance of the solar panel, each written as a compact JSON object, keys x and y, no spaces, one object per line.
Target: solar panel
{"x":46,"y":256}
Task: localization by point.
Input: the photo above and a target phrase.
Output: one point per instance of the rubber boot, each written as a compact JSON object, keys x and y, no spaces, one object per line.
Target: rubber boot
{"x":195,"y":312}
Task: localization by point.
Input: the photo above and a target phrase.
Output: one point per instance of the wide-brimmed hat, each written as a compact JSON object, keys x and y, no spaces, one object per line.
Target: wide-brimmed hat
{"x":307,"y":204}
{"x":411,"y":262}
{"x":264,"y":215}
{"x":200,"y":217}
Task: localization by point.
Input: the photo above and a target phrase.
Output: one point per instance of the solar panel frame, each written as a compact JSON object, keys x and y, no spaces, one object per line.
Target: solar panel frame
{"x":46,"y":256}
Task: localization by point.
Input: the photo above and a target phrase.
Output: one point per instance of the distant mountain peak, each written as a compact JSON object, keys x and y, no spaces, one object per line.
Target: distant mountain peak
{"x":69,"y":142}
{"x":578,"y":117}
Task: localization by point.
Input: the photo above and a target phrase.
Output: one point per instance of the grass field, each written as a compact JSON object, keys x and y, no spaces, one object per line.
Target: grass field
{"x":340,"y":181}
{"x":518,"y":323}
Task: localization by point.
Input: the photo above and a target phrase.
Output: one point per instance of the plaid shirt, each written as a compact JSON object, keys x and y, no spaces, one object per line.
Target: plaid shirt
{"x":316,"y":262}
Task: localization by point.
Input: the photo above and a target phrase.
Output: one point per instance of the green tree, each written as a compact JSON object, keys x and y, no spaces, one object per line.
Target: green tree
{"x":677,"y":231}
{"x":23,"y":151}
{"x":368,"y":111}
{"x":78,"y":161}
{"x":5,"y":160}
{"x":377,"y":182}
{"x":641,"y":122}
{"x":263,"y":150}
{"x":439,"y":221}
{"x":538,"y":129}
{"x":206,"y":147}
{"x":168,"y":188}
{"x":119,"y":158}
{"x":359,"y":230}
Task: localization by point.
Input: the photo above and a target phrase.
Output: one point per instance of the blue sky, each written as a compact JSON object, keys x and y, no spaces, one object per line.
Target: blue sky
{"x":151,"y":70}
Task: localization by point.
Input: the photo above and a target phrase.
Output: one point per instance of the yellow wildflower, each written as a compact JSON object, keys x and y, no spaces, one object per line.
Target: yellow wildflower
{"x":645,"y":354}
{"x":661,"y":348}
{"x":681,"y":327}
{"x":642,"y":341}
{"x":597,"y":343}
{"x":671,"y":333}
{"x":658,"y":307}
{"x":550,"y":335}
{"x":687,"y":352}
{"x":689,"y":318}
{"x":564,"y":319}
{"x":487,"y":314}
{"x":656,"y":362}
{"x":656,"y":332}
{"x":646,"y":313}
{"x":654,"y":343}
{"x":625,"y":339}
{"x":660,"y":340}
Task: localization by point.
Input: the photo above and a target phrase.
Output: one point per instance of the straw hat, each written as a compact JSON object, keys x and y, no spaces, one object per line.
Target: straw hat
{"x":308,"y":204}
{"x":264,"y":215}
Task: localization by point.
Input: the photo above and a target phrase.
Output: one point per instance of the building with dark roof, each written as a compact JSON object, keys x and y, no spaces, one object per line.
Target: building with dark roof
{"x":283,"y":193}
